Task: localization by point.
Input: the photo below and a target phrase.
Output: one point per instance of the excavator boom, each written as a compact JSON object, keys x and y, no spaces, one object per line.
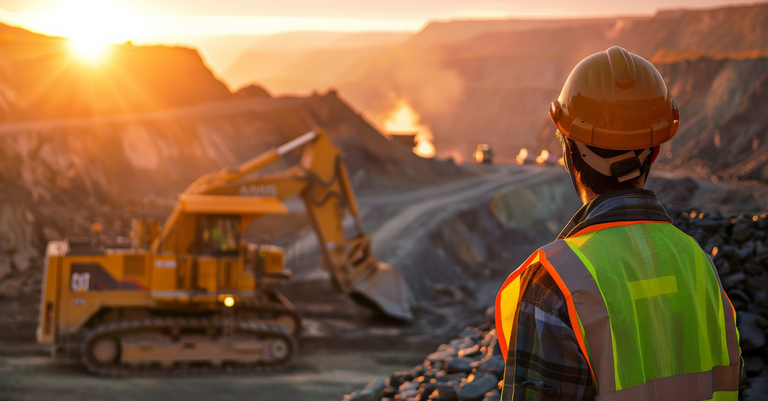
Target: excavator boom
{"x":321,"y":180}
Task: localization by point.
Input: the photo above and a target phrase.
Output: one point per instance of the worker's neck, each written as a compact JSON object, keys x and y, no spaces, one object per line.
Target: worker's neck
{"x":587,"y":195}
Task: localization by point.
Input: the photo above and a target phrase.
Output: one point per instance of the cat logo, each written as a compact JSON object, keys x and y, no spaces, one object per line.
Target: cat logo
{"x":80,"y":282}
{"x":266,"y":191}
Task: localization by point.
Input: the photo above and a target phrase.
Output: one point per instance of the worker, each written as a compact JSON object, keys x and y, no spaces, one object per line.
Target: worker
{"x":98,"y":238}
{"x":622,"y":305}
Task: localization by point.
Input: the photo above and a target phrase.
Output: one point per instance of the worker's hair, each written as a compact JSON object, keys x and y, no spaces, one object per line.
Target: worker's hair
{"x":597,"y":182}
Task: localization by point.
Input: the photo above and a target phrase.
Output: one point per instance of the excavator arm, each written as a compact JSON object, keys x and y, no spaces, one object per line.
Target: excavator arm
{"x":321,"y":180}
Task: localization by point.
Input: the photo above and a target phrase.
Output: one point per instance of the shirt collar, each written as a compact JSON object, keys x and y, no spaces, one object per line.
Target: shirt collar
{"x":615,"y":206}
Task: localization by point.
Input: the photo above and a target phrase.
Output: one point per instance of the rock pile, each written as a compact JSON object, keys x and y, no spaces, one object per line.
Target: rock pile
{"x":471,"y":366}
{"x":468,"y":368}
{"x":739,"y":248}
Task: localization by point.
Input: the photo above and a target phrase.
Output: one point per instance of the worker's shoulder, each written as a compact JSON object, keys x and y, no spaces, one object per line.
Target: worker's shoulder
{"x":541,"y":289}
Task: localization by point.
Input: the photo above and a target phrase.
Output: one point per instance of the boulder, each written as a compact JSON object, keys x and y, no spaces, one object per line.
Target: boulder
{"x":753,"y":367}
{"x":471,"y":334}
{"x":741,"y":232}
{"x":738,"y":295}
{"x":459,"y":365}
{"x":761,"y":299}
{"x":476,"y":389}
{"x":396,"y":379}
{"x":730,"y":281}
{"x":469,"y":351}
{"x":446,"y":394}
{"x":374,"y":391}
{"x":758,"y":389}
{"x":714,"y":242}
{"x":494,"y":364}
{"x":442,"y":354}
{"x":490,"y":315}
{"x":746,"y":251}
{"x":753,"y":267}
{"x":723,"y":267}
{"x":752,"y":337}
{"x":494,"y":395}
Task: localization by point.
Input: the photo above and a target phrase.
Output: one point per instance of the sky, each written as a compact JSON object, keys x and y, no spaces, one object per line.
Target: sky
{"x":159,"y":20}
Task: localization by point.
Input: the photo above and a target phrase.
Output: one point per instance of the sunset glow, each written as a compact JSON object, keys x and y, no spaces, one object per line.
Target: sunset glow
{"x":91,"y":25}
{"x":404,"y":119}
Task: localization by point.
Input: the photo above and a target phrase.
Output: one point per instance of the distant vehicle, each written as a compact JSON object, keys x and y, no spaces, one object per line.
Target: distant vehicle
{"x":483,"y":154}
{"x":407,"y":139}
{"x":544,"y":159}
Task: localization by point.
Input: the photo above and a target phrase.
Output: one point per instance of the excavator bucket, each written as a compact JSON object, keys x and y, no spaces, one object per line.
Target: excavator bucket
{"x":386,"y":289}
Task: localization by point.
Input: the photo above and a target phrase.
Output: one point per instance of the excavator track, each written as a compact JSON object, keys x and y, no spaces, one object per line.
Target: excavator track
{"x":187,"y":345}
{"x":281,"y":313}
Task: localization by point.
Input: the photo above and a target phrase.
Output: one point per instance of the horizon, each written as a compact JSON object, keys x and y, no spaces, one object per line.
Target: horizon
{"x":174,"y":20}
{"x":222,"y":33}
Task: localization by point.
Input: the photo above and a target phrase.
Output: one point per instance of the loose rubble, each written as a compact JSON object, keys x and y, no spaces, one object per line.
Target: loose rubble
{"x":470,"y":367}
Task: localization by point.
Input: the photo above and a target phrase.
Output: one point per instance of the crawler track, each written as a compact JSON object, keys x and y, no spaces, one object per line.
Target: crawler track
{"x":217,"y":329}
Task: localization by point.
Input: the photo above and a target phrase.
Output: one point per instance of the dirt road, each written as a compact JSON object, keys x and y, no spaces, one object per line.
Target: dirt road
{"x":27,"y":373}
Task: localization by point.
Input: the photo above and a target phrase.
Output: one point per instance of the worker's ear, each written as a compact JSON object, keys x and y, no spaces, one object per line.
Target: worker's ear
{"x":566,"y":159}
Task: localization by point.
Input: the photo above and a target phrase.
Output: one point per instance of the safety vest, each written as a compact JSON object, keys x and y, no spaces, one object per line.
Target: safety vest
{"x":647,"y":308}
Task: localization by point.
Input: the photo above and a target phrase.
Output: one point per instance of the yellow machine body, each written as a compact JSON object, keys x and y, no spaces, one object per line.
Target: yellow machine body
{"x":179,"y":294}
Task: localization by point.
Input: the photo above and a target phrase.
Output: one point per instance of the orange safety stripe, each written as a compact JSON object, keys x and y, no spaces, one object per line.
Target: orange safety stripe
{"x":732,"y":308}
{"x":500,"y":327}
{"x":571,"y":309}
{"x":598,"y":227}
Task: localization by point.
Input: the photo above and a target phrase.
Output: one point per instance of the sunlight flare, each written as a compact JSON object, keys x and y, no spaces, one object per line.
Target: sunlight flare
{"x":91,"y":25}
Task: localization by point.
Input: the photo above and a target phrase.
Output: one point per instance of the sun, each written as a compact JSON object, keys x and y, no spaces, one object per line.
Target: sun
{"x":89,"y":48}
{"x":92,"y":25}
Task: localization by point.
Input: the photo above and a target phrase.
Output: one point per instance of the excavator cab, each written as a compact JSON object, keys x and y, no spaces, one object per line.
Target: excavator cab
{"x":217,"y":235}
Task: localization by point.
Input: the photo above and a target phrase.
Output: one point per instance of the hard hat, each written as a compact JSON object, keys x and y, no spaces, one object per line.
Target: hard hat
{"x":615,"y":100}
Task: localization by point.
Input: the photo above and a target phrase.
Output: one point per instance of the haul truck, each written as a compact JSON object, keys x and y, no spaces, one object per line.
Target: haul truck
{"x":191,"y":294}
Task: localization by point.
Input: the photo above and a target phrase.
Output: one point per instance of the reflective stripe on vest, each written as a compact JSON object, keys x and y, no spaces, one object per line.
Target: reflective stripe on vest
{"x":647,"y":309}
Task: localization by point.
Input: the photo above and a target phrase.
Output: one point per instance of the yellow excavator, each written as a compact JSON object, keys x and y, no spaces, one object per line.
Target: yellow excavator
{"x":192,"y":295}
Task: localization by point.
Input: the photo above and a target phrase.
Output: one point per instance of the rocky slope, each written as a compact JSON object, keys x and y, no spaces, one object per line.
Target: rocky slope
{"x":723,"y":135}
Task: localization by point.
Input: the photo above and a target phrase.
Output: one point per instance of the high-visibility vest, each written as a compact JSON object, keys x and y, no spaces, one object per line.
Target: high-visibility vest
{"x":647,"y":308}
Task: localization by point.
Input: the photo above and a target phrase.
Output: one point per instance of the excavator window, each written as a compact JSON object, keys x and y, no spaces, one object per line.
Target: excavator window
{"x":218,"y":235}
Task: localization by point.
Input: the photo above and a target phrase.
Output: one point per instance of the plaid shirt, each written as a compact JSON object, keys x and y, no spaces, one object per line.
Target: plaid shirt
{"x":550,"y":364}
